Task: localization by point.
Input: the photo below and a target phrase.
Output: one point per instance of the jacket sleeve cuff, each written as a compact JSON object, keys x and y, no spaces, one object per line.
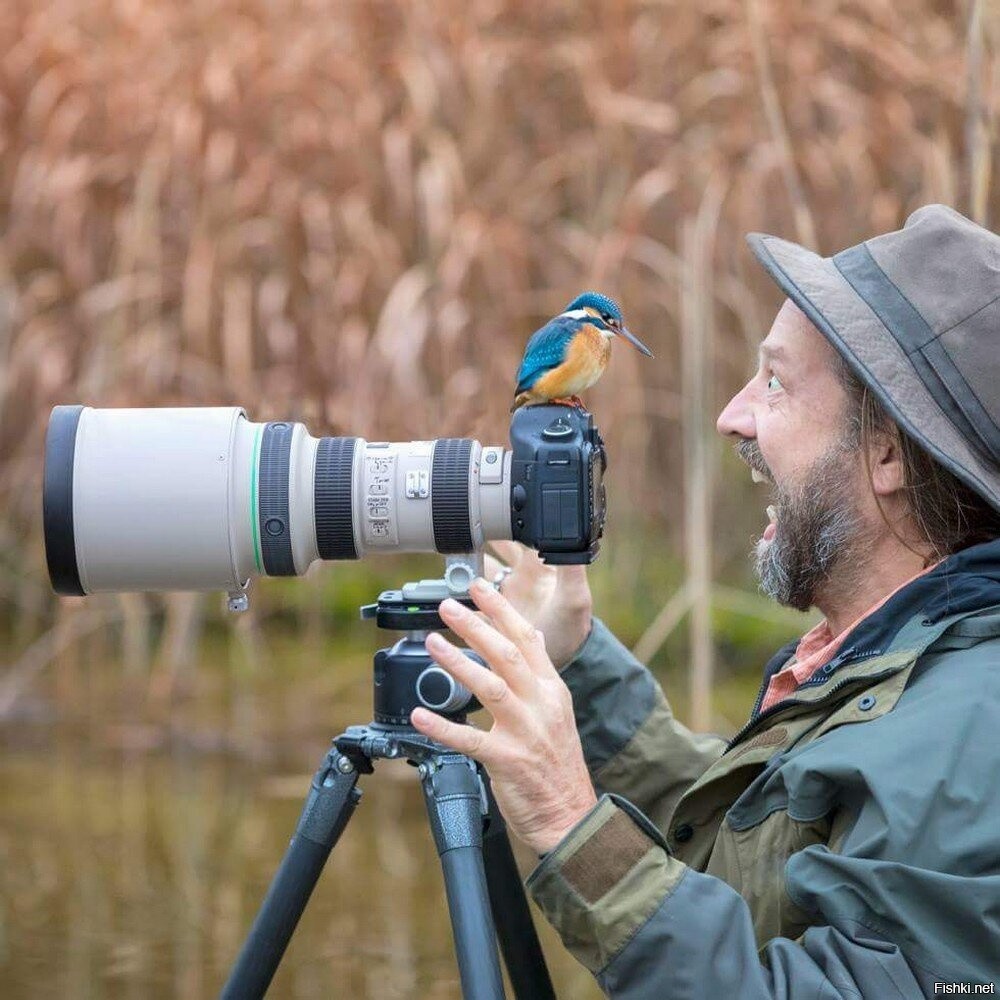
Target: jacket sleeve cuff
{"x":604,"y":880}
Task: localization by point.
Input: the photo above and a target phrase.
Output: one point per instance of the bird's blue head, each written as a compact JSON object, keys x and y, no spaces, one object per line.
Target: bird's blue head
{"x":595,"y":300}
{"x":610,"y":316}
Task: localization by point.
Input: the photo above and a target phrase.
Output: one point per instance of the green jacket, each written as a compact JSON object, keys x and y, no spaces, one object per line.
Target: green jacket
{"x":845,"y":844}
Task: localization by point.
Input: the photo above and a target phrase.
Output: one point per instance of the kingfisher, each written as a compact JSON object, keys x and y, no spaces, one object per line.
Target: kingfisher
{"x":569,"y":354}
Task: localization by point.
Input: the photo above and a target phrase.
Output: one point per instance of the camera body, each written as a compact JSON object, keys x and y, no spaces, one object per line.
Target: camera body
{"x":557,"y":495}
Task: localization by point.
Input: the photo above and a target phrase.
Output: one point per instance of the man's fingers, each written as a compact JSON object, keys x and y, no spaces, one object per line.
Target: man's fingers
{"x":532,"y":559}
{"x":489,"y":686}
{"x":508,"y":551}
{"x":491,"y":565}
{"x":463,"y":738}
{"x":501,"y":653}
{"x":512,"y":625}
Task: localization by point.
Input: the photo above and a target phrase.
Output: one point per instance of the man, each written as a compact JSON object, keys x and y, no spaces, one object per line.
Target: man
{"x":846,"y":843}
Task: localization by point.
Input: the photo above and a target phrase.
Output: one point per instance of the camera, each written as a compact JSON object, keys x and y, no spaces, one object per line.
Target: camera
{"x":202,"y":498}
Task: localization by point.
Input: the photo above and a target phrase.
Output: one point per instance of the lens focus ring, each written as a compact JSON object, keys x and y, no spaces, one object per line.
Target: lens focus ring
{"x":333,"y":498}
{"x":450,"y":495}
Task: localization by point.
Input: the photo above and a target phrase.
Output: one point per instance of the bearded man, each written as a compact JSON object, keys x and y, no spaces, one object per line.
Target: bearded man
{"x":846,"y":842}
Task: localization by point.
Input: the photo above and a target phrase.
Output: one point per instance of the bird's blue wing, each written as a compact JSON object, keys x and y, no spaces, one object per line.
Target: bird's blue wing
{"x":546,"y":350}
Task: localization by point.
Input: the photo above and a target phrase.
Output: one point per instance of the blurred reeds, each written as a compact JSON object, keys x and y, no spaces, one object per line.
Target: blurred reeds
{"x":354,"y":213}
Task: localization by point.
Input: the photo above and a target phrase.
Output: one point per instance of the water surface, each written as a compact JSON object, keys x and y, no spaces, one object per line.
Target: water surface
{"x":132,"y":866}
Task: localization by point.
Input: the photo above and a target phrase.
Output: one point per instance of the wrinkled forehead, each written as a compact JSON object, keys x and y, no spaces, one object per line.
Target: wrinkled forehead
{"x":795,"y":340}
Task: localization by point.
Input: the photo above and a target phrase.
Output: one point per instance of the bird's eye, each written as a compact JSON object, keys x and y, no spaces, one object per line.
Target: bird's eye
{"x":608,"y":318}
{"x":774,"y":384}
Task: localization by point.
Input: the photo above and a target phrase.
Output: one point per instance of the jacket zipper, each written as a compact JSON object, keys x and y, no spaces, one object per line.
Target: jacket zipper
{"x":792,"y":702}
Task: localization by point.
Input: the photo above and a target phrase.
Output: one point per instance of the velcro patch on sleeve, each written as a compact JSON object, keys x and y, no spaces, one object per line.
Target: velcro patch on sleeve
{"x":606,"y":857}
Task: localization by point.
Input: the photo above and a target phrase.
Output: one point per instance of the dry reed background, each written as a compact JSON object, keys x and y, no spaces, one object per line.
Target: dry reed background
{"x":354,"y":213}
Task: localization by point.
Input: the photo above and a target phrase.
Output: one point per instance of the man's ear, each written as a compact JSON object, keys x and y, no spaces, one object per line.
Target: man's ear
{"x":885,"y":459}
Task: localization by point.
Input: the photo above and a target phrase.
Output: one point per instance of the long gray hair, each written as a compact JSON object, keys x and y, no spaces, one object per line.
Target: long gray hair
{"x":948,"y":515}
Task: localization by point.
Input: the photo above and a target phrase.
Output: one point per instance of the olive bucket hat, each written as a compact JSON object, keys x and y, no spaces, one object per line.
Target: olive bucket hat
{"x":916,"y":314}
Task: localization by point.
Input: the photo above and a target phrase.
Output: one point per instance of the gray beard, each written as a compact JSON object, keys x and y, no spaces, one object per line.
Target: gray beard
{"x":819,"y":531}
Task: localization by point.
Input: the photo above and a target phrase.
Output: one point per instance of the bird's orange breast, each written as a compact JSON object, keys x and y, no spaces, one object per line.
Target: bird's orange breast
{"x":586,"y":358}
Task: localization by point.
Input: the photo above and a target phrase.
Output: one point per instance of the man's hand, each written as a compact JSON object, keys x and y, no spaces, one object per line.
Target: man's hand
{"x":554,"y":599}
{"x":532,"y":751}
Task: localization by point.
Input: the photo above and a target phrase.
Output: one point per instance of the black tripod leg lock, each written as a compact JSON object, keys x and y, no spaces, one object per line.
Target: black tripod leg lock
{"x":456,"y":800}
{"x":331,"y":800}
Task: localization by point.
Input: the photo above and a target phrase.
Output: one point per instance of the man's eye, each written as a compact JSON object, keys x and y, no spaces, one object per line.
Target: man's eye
{"x":774,"y":384}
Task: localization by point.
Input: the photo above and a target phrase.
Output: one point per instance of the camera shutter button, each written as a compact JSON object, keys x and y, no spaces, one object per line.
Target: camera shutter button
{"x":557,"y":430}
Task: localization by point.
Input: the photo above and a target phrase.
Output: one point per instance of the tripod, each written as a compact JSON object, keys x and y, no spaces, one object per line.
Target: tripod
{"x":486,"y":900}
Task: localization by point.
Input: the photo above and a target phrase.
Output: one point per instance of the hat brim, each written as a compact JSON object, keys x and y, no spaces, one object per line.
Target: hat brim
{"x":818,"y":288}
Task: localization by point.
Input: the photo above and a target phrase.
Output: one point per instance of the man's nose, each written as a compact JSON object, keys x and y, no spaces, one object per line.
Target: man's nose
{"x":737,"y":417}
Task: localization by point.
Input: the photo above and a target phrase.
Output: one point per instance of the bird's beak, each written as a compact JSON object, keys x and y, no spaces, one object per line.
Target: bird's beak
{"x":634,"y":341}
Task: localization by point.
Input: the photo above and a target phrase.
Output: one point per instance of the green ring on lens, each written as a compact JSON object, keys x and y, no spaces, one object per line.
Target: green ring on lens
{"x":254,"y":516}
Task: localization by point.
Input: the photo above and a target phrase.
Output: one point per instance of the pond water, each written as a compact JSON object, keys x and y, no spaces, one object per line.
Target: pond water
{"x":132,"y":868}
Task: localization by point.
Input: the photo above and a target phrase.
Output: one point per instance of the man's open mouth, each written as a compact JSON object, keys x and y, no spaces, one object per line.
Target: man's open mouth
{"x":772,"y":516}
{"x":772,"y":525}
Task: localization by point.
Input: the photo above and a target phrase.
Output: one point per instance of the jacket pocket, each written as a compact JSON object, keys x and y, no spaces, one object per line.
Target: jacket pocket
{"x":753,"y":862}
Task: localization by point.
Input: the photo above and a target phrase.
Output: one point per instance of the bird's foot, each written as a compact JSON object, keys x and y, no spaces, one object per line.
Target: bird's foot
{"x":569,"y":401}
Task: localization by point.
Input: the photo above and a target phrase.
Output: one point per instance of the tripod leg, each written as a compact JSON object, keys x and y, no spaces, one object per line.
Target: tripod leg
{"x":331,"y":802}
{"x":522,"y":951}
{"x":454,"y":797}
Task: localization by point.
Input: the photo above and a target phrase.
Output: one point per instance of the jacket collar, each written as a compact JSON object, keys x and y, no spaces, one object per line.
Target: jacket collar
{"x":964,"y":583}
